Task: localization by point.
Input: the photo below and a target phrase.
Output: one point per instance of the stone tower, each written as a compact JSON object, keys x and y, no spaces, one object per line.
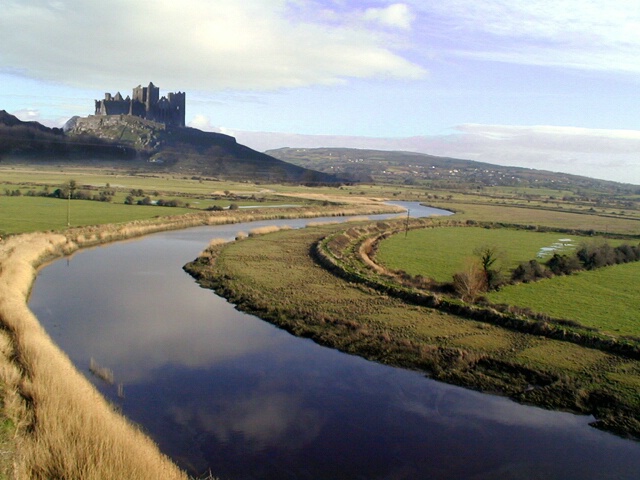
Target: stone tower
{"x":145,"y":102}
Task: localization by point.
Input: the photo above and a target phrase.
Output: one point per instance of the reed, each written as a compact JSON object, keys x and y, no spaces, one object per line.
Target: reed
{"x":103,"y":373}
{"x":269,"y":229}
{"x":62,"y":426}
{"x":215,"y":242}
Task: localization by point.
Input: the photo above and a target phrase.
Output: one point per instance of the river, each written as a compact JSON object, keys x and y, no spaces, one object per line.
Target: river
{"x":224,"y":391}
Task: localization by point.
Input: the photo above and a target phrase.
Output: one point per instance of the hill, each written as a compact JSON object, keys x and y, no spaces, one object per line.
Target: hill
{"x":411,"y":168}
{"x":142,"y":145}
{"x":31,"y":141}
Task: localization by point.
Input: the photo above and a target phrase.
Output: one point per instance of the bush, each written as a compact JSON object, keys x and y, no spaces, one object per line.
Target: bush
{"x":530,"y":271}
{"x":563,"y":264}
{"x":471,"y":282}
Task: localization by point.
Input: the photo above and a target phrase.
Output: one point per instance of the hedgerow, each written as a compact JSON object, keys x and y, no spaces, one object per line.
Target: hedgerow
{"x":347,"y":254}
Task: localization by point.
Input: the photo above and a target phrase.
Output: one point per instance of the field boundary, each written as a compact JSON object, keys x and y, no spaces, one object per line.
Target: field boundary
{"x":348,"y":254}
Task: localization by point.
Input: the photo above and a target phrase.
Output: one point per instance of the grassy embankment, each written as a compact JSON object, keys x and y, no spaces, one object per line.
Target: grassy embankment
{"x":55,"y":424}
{"x":264,"y":275}
{"x":63,"y":428}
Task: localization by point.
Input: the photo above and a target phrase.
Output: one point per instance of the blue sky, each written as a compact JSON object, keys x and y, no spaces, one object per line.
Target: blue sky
{"x":552,"y":85}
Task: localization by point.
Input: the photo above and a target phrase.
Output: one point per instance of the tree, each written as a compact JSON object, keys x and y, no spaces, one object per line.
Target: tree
{"x":471,"y":282}
{"x":70,"y":189}
{"x":488,"y":256}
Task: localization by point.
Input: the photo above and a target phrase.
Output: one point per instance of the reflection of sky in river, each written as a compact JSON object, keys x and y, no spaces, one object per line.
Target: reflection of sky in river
{"x":222,"y":390}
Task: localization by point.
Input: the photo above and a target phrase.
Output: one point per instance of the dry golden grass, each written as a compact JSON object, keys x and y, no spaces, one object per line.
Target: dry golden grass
{"x":64,"y":428}
{"x":268,"y":229}
{"x":60,"y":426}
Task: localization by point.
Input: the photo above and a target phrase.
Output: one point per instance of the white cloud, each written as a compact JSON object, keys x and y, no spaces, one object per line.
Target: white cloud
{"x":194,"y":44}
{"x":397,"y":15}
{"x":202,"y":122}
{"x":596,"y":35}
{"x":33,"y":115}
{"x":28,"y":115}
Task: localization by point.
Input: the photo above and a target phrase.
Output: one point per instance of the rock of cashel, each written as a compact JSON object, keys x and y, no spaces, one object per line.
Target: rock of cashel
{"x":145,"y":102}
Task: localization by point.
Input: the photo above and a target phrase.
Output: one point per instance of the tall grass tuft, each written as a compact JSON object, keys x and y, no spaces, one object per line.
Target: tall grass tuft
{"x":103,"y":373}
{"x":63,"y":426}
{"x":269,"y":229}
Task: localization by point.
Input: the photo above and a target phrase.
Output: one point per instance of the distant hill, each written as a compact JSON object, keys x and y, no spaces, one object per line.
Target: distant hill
{"x":138,"y":144}
{"x":31,"y":141}
{"x":428,"y":170}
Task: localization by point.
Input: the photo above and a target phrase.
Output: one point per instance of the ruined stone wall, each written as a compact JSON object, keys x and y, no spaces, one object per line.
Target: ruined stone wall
{"x":146,"y":102}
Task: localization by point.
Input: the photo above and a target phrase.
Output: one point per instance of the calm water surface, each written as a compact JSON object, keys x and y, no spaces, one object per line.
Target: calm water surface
{"x":221,"y":390}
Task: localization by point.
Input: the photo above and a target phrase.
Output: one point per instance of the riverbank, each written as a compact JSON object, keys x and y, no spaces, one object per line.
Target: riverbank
{"x":56,"y":424}
{"x":352,"y":317}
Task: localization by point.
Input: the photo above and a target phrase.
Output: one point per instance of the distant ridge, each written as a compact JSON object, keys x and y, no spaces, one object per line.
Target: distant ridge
{"x":413,"y":168}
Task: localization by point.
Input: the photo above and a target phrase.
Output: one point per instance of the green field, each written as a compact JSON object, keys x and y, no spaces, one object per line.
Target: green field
{"x":28,"y":214}
{"x":438,"y":253}
{"x":607,"y":299}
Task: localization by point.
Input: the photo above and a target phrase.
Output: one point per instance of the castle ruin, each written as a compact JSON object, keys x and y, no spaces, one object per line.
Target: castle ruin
{"x":145,"y":102}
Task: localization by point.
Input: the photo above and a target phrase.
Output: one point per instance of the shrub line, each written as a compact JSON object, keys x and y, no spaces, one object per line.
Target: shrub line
{"x":360,"y":270}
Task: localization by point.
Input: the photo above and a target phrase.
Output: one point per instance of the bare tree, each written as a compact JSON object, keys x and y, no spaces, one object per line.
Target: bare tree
{"x":471,"y":282}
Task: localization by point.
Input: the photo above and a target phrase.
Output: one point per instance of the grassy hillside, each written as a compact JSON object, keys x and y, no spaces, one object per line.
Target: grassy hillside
{"x":192,"y":151}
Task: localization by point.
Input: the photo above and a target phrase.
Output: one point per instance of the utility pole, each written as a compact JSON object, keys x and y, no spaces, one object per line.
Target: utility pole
{"x":70,"y":188}
{"x":69,"y":206}
{"x":406,"y":224}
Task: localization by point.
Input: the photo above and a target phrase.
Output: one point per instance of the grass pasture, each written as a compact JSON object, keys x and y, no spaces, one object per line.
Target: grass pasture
{"x":29,"y":214}
{"x":579,"y":218}
{"x":607,"y":298}
{"x":440,"y":252}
